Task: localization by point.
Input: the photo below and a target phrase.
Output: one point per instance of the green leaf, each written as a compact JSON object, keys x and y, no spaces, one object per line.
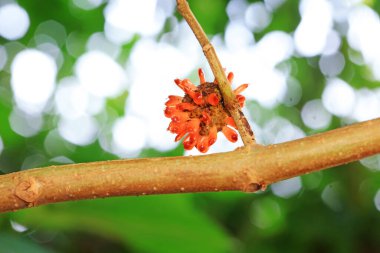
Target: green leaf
{"x":19,"y":244}
{"x":167,"y":223}
{"x":267,"y":214}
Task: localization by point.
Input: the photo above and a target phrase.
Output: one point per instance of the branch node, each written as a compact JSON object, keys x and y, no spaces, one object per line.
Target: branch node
{"x":28,"y":190}
{"x":252,"y":187}
{"x":207,"y":48}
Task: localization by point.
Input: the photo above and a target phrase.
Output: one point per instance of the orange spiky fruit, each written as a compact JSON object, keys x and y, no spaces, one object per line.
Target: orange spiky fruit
{"x":200,"y":114}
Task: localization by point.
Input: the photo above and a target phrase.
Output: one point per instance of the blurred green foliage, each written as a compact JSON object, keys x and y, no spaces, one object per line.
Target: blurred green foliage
{"x":207,"y":222}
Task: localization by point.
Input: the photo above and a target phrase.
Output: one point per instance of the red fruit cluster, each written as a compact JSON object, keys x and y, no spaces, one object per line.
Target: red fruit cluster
{"x":200,"y":114}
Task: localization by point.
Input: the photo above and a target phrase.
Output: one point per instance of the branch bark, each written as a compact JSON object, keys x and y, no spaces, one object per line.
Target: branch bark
{"x":229,"y":98}
{"x":244,"y":169}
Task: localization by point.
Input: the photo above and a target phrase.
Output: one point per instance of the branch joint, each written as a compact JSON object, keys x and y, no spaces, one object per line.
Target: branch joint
{"x":28,"y":190}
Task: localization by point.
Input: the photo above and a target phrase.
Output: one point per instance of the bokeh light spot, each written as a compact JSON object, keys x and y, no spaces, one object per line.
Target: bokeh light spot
{"x":273,"y":4}
{"x":332,"y":65}
{"x":98,"y":42}
{"x":51,"y":30}
{"x":125,"y":18}
{"x":268,"y":88}
{"x":71,"y":99}
{"x":237,"y":36}
{"x":279,"y":130}
{"x":333,"y":42}
{"x":87,"y":4}
{"x":234,"y":9}
{"x":129,"y":136}
{"x":293,"y":92}
{"x":367,"y":105}
{"x":314,"y":115}
{"x":364,"y":32}
{"x":257,"y":17}
{"x":100,"y":74}
{"x":312,"y":180}
{"x":287,"y":188}
{"x":18,"y":227}
{"x":61,"y":160}
{"x":3,"y":57}
{"x":75,"y":44}
{"x":33,"y":161}
{"x":376,"y":200}
{"x":331,"y":196}
{"x":312,"y":32}
{"x":33,"y":79}
{"x":54,"y":51}
{"x":80,"y":131}
{"x":275,"y":47}
{"x":55,"y":145}
{"x":372,"y":162}
{"x":25,"y":124}
{"x":338,"y":97}
{"x":14,"y":21}
{"x":266,"y":214}
{"x":1,"y":145}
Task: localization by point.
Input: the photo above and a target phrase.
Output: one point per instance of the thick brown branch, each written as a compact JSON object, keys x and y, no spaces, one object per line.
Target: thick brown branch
{"x":243,"y":169}
{"x":228,"y":96}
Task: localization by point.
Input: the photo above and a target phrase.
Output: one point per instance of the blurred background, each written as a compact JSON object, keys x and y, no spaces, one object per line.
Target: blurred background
{"x":86,"y":80}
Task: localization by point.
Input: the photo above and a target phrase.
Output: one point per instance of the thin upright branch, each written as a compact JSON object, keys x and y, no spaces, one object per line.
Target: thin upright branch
{"x":244,"y":169}
{"x":229,"y":98}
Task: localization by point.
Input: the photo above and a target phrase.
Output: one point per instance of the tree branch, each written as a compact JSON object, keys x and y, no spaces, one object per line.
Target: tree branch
{"x":229,"y":98}
{"x":244,"y":169}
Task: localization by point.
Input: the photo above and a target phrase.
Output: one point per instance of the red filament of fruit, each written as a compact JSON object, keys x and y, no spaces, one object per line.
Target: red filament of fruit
{"x":198,"y":116}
